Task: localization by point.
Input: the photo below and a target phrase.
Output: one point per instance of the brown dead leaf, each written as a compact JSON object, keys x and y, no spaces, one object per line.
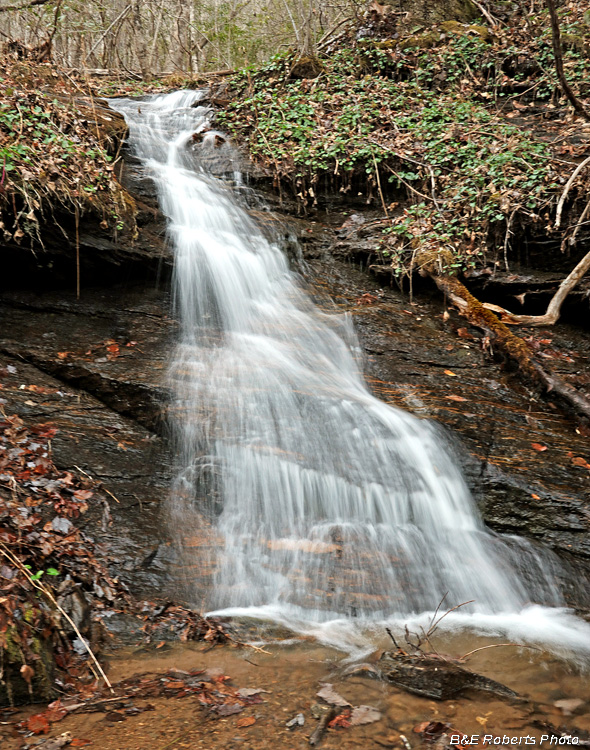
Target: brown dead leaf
{"x":82,"y":494}
{"x":62,"y":355}
{"x":579,"y":461}
{"x":452,"y":397}
{"x":364,"y":715}
{"x":245,"y":721}
{"x":342,"y":720}
{"x":328,"y":694}
{"x":38,"y":724}
{"x":451,"y":374}
{"x":539,"y":447}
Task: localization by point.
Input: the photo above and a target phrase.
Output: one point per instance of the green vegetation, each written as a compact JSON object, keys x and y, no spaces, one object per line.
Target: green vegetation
{"x":361,"y":129}
{"x":52,"y":156}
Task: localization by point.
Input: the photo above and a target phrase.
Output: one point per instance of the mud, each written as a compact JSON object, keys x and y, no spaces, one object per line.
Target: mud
{"x":293,"y":673}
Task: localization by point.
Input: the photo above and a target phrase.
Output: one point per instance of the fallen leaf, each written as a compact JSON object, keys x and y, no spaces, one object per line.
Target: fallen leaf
{"x":248,"y":692}
{"x":579,"y":461}
{"x":431,"y":728}
{"x":82,"y":494}
{"x":539,"y":447}
{"x":246,"y":721}
{"x":451,"y":374}
{"x":227,"y":709}
{"x":38,"y":724}
{"x":78,"y":742}
{"x":364,"y":715}
{"x":535,"y":497}
{"x":296,"y":721}
{"x":115,"y":716}
{"x":328,"y":694}
{"x":455,"y":398}
{"x":342,"y":720}
{"x":62,"y":355}
{"x":366,"y":299}
{"x":55,"y":711}
{"x":463,"y":333}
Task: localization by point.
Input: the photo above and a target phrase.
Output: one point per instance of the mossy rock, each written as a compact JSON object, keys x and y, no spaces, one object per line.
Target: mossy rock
{"x":14,"y":689}
{"x":420,"y":41}
{"x":455,"y":27}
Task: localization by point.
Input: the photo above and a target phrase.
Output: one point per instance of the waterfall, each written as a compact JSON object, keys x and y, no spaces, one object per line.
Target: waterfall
{"x":296,"y":487}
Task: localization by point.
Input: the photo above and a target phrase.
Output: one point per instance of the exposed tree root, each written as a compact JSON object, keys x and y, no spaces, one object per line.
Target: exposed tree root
{"x":554,"y":307}
{"x":508,"y":343}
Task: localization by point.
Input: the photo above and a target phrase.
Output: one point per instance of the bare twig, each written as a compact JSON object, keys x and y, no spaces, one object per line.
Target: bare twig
{"x":121,"y":15}
{"x":102,"y":487}
{"x":497,"y":645}
{"x":319,"y":731}
{"x":379,"y":184}
{"x":491,"y":20}
{"x":581,"y":222}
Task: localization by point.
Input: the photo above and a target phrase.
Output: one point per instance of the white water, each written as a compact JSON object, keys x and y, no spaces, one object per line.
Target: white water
{"x":326,"y":503}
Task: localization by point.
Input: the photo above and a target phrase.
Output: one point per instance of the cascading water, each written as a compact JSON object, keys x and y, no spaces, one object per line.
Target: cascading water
{"x":297,"y":487}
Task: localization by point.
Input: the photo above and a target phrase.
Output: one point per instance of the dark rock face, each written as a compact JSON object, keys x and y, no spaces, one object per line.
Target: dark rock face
{"x":56,"y":367}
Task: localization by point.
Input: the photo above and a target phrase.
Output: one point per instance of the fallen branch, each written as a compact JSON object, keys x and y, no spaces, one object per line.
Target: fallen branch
{"x":505,"y":341}
{"x":490,"y":19}
{"x":554,"y":307}
{"x":581,"y":222}
{"x":320,"y":730}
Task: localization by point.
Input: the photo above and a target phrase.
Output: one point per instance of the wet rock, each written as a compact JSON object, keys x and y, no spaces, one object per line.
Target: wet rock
{"x":436,"y":678}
